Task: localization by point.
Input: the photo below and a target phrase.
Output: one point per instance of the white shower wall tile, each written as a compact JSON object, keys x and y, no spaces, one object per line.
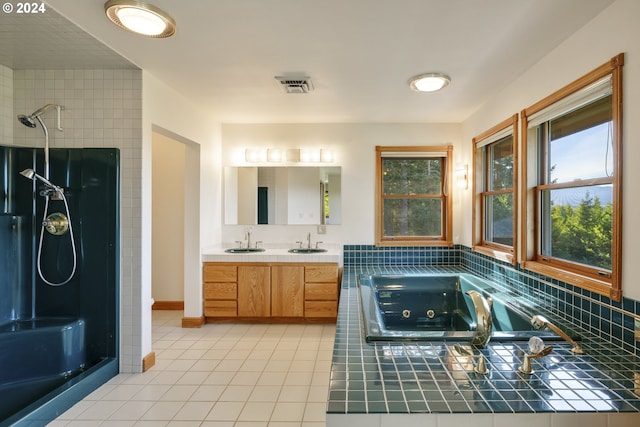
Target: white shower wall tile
{"x":102,"y":108}
{"x":6,"y":101}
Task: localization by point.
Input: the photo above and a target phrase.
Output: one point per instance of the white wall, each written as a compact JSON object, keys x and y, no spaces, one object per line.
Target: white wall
{"x":168,"y":210}
{"x":614,"y":31}
{"x":167,"y":112}
{"x":354,"y":147}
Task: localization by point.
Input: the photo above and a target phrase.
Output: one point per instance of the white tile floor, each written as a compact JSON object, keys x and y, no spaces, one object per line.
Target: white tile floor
{"x":220,"y":375}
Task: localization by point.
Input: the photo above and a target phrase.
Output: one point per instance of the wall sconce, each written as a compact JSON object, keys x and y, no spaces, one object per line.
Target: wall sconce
{"x":462,"y":177}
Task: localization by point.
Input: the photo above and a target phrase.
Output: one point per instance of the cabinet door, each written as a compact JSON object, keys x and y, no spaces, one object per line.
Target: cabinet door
{"x":254,"y":296}
{"x":287,"y":291}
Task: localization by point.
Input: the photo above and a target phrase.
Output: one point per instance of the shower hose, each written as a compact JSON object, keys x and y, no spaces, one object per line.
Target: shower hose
{"x":73,"y":244}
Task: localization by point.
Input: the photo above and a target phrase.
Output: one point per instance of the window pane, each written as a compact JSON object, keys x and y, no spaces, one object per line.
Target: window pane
{"x":499,"y":219}
{"x":501,"y":164}
{"x":411,"y":176}
{"x":581,"y":155}
{"x":412,"y":217}
{"x":577,"y":224}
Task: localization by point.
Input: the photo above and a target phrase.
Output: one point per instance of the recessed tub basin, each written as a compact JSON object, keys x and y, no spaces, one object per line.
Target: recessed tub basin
{"x":307,"y":250}
{"x":436,"y":307}
{"x":243,"y":250}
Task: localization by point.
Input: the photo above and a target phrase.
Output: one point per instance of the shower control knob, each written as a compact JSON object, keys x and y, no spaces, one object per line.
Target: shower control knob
{"x":56,"y":223}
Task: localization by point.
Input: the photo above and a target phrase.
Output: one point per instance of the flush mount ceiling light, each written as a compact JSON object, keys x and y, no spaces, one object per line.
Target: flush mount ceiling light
{"x":429,"y":82}
{"x":140,"y":18}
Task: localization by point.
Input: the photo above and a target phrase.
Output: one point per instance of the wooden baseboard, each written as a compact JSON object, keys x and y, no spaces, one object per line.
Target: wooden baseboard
{"x":148,"y":361}
{"x":168,"y":305}
{"x":192,"y":322}
{"x":271,"y":320}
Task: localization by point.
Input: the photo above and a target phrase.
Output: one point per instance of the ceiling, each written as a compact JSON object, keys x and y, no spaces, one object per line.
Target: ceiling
{"x":358,"y":53}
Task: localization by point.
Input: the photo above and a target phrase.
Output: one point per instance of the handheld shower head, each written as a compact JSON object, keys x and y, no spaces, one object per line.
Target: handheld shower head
{"x":31,"y":174}
{"x":540,"y":322}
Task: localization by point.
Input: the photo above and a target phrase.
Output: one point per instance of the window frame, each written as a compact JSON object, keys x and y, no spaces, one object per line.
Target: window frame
{"x":589,"y":278}
{"x":424,"y":152}
{"x":508,"y":127}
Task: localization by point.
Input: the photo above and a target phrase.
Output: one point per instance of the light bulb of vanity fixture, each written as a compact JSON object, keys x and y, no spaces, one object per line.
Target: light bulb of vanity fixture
{"x":327,"y":156}
{"x":309,"y":155}
{"x":255,"y":155}
{"x":275,"y":155}
{"x":140,"y":18}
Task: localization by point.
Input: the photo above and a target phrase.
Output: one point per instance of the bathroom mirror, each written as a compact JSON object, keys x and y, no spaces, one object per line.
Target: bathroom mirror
{"x":282,"y":195}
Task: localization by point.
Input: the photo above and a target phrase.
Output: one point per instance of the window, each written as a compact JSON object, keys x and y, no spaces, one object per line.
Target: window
{"x":572,"y":152}
{"x":413,"y":202}
{"x":495,"y":175}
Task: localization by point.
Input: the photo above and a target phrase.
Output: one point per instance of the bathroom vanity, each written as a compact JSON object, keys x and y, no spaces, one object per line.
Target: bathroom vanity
{"x":272,"y":286}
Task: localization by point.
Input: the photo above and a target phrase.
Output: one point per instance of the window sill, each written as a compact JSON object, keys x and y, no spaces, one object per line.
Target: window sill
{"x":495,"y":253}
{"x":597,"y":286}
{"x":398,"y":242}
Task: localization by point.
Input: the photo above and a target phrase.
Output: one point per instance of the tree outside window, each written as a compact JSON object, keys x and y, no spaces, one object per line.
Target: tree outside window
{"x":495,"y":171}
{"x":413,"y":195}
{"x":572,"y":144}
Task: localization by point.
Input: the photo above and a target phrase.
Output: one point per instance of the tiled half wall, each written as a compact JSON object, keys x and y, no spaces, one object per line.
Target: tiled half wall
{"x":612,"y":321}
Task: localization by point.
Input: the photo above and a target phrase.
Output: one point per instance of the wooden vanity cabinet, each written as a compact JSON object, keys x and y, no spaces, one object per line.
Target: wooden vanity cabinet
{"x":220,"y":289}
{"x":254,"y":291}
{"x":287,"y":290}
{"x":283,"y":292}
{"x":321,"y":291}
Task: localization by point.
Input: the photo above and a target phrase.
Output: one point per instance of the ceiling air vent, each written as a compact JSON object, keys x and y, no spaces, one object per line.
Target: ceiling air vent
{"x":292,"y":84}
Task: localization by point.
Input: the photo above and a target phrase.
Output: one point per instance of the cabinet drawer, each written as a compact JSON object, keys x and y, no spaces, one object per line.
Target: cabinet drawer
{"x":216,"y":308}
{"x":320,"y":291}
{"x":224,"y":291}
{"x":220,"y":273}
{"x":321,"y":273}
{"x":321,"y":309}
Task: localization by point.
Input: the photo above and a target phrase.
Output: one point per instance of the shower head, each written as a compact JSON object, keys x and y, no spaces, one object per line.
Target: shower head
{"x":26,"y":120}
{"x":31,"y":174}
{"x":29,"y":120}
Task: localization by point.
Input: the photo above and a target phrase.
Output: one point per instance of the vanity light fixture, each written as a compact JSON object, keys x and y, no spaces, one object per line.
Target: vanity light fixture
{"x":278,"y":155}
{"x":429,"y":82}
{"x":140,"y":18}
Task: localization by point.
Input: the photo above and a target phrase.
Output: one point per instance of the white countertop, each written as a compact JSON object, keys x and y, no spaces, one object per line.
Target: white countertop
{"x":271,"y":255}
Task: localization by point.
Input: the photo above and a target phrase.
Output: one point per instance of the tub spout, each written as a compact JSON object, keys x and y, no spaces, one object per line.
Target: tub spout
{"x":540,"y":322}
{"x":484,"y":321}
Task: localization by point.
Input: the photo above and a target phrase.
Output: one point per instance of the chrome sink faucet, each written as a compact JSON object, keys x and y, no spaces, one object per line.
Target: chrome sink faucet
{"x":299,"y":242}
{"x":484,"y":321}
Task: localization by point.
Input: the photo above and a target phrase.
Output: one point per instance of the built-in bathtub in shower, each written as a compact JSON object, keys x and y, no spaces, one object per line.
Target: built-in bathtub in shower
{"x":57,"y":343}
